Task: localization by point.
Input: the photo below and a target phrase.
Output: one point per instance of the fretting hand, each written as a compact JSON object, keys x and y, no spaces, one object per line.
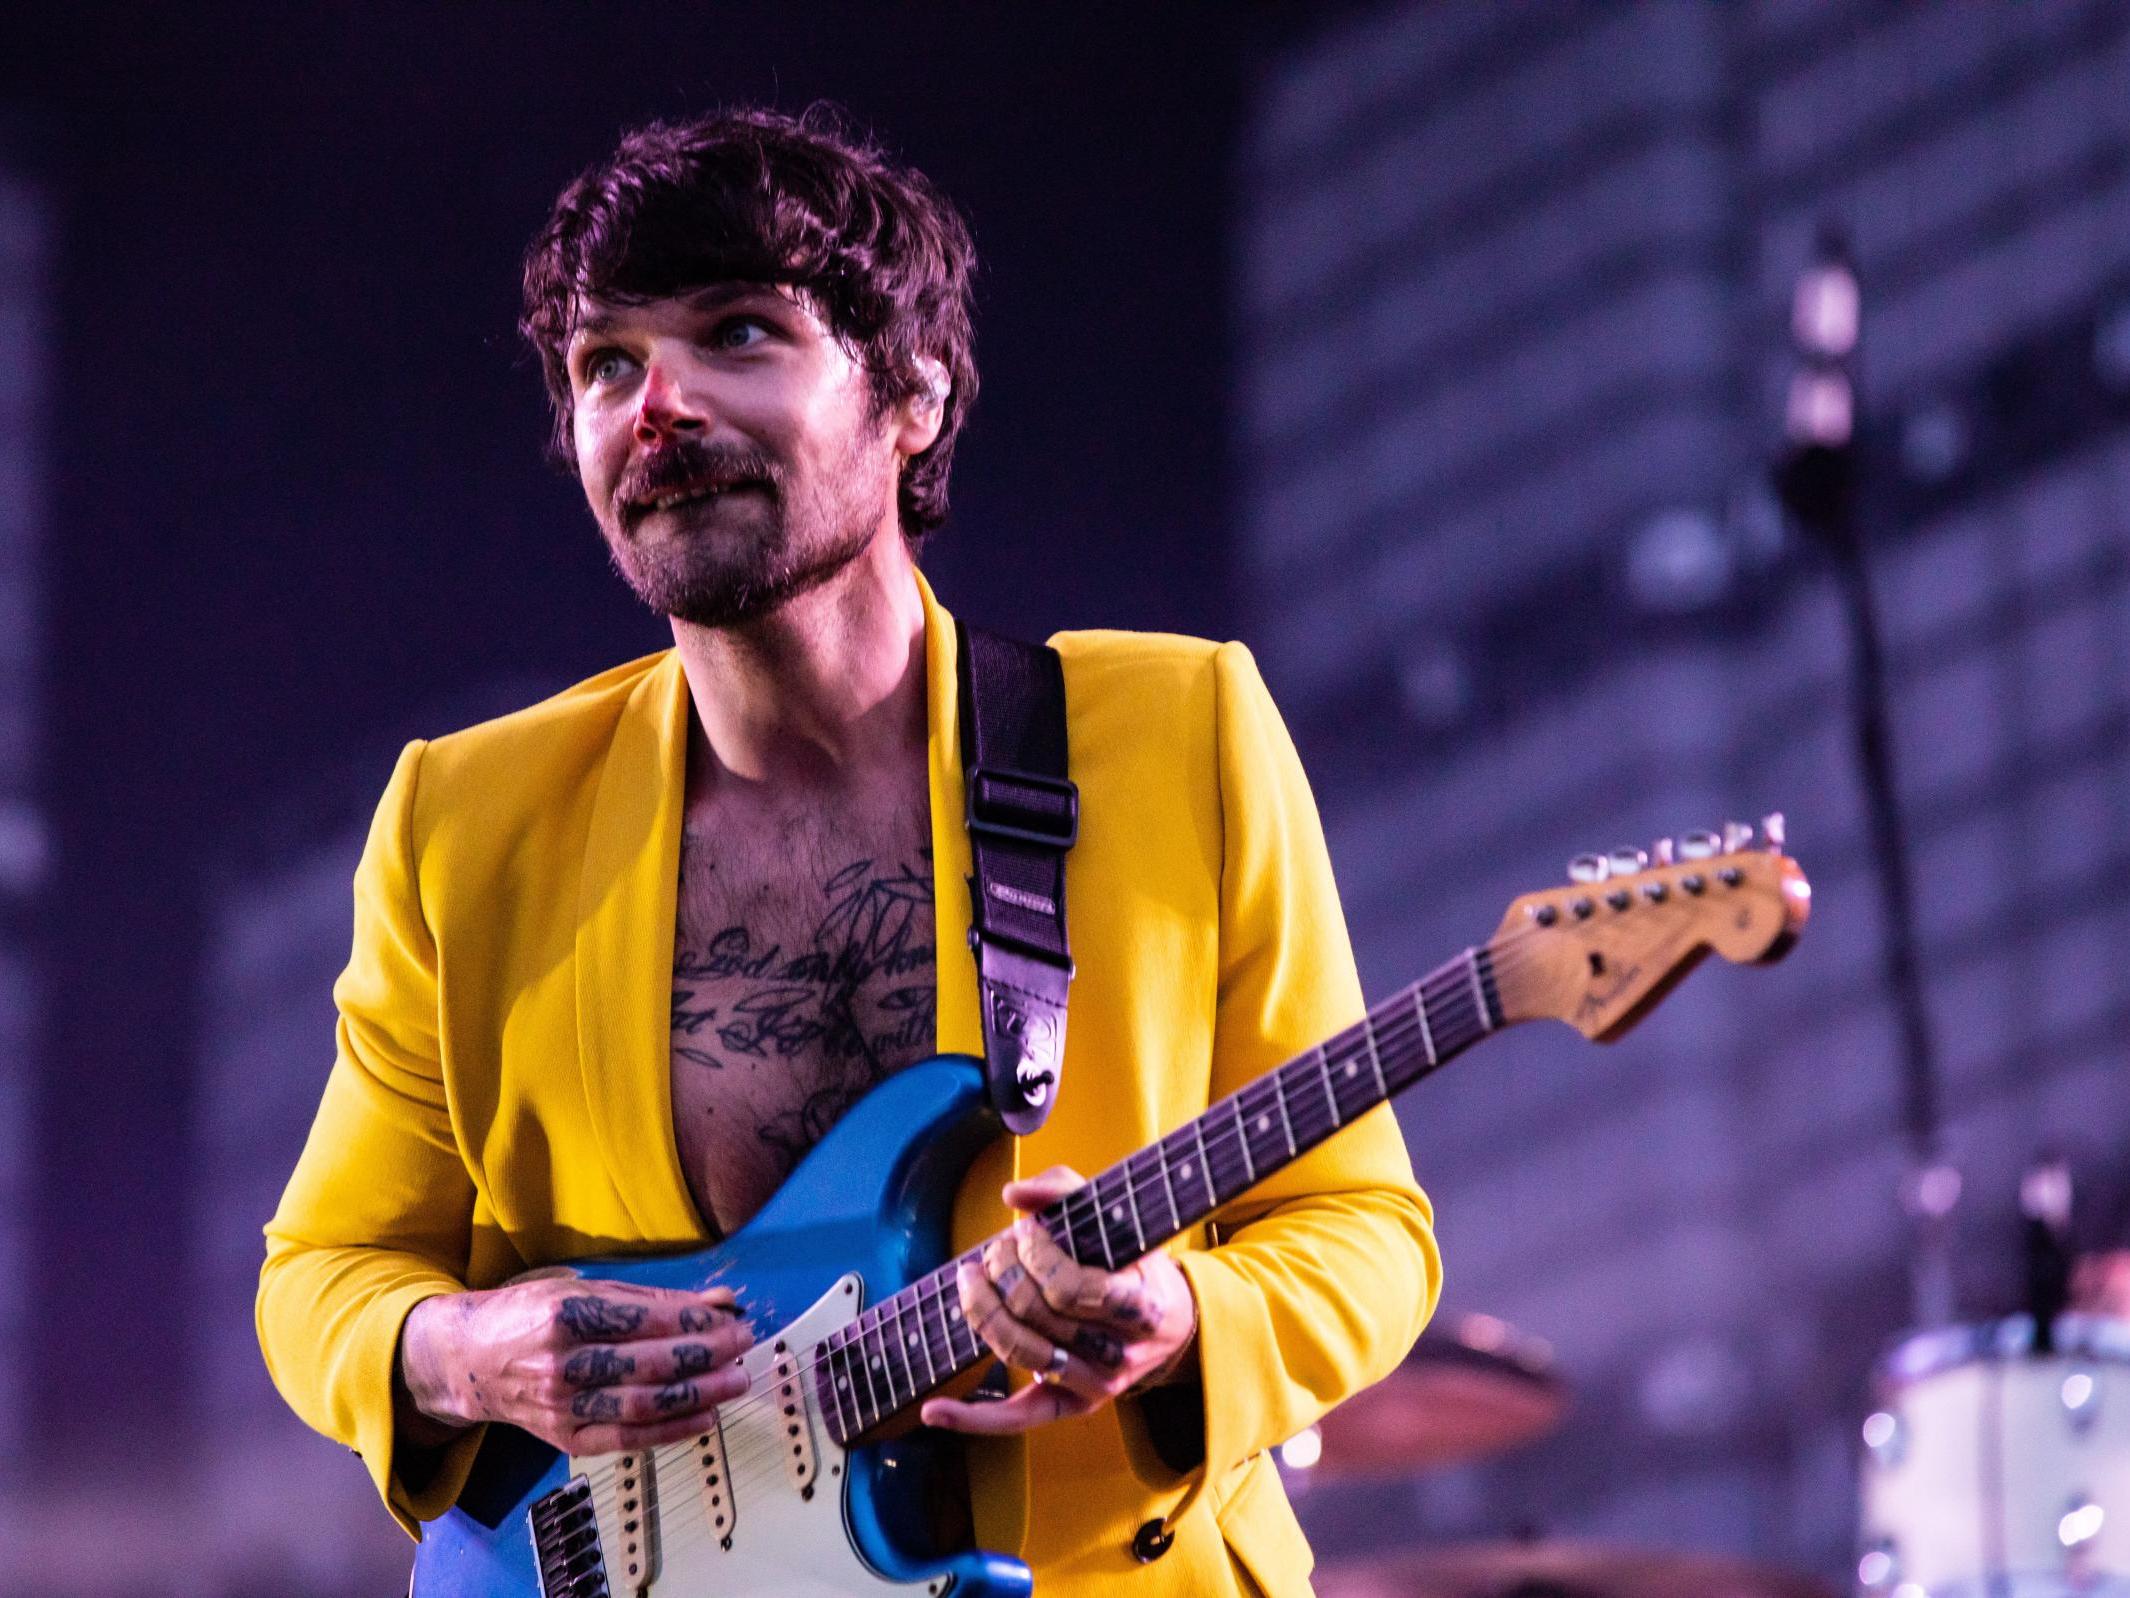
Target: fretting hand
{"x":592,"y":1367}
{"x":1089,"y":1335}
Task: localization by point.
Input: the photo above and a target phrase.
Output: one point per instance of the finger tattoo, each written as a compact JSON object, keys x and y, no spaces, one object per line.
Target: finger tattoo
{"x":693,"y":1319}
{"x":675,"y":1396}
{"x":691,"y":1359}
{"x":1098,"y":1347}
{"x":1010,"y":1278}
{"x":596,"y":1367}
{"x":597,"y":1404}
{"x":590,"y":1319}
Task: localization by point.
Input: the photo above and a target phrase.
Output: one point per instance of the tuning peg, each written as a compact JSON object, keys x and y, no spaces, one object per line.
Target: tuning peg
{"x":1589,"y":868}
{"x":1664,"y":851}
{"x":1626,"y":861}
{"x":1699,"y":846}
{"x":1736,"y":835}
{"x":1771,"y":828}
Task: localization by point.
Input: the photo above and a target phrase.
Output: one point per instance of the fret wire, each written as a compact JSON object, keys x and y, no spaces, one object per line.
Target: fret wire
{"x":898,"y":1393}
{"x":865,"y":1373}
{"x":1109,"y":1250}
{"x":1205,"y":1166}
{"x":1132,"y":1199}
{"x":1375,"y":1059}
{"x":958,"y":1330}
{"x":1279,"y":1099}
{"x":924,"y":1346}
{"x":837,"y":1386}
{"x":1330,"y":1097}
{"x":1427,"y":1033}
{"x":916,"y":1290}
{"x":946,"y":1322}
{"x":957,"y":1323}
{"x":1242,"y":1133}
{"x":1169,"y":1187}
{"x":1349,"y":1071}
{"x":875,"y":1373}
{"x":1479,"y":994}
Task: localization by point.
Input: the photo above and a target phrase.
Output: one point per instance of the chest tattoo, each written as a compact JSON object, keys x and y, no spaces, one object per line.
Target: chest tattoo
{"x":790,"y":1002}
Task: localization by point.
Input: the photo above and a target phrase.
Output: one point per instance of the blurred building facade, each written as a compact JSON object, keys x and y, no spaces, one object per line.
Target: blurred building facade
{"x":1513,"y":289}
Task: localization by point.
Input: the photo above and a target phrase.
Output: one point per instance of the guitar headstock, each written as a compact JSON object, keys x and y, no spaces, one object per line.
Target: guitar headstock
{"x":1601,"y":951}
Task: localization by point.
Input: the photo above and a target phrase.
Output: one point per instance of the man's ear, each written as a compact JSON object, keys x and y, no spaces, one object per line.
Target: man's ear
{"x":924,"y":412}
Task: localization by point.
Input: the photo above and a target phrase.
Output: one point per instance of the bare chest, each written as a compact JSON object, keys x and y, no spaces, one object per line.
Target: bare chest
{"x":803,"y":975}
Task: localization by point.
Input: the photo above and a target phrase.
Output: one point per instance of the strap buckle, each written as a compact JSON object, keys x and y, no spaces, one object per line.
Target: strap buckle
{"x":1024,"y":805}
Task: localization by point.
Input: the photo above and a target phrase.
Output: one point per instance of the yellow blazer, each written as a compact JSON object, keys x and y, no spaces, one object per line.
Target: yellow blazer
{"x":501,"y":1094}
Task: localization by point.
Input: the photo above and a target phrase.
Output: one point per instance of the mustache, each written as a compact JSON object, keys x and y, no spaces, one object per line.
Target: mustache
{"x":686,"y":465}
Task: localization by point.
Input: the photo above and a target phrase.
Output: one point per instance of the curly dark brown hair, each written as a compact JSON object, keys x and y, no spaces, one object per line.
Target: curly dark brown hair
{"x":758,"y":196}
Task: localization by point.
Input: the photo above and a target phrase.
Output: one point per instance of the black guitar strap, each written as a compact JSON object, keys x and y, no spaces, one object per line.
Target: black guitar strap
{"x":1023,"y":816}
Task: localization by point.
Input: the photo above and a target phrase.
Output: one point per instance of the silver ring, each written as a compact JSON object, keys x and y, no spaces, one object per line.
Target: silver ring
{"x":1056,"y":1367}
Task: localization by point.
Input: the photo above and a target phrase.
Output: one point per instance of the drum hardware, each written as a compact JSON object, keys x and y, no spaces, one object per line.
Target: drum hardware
{"x":1472,"y":1387}
{"x":1997,"y":1462}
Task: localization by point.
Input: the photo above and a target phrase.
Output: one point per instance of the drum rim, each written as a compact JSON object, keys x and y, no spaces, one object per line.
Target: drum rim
{"x":2077,"y":1336}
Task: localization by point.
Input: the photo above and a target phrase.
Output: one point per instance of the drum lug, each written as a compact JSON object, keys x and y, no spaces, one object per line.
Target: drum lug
{"x":2081,"y":1400}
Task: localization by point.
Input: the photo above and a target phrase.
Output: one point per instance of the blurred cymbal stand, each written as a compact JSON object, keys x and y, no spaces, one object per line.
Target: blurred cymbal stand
{"x":1819,"y":480}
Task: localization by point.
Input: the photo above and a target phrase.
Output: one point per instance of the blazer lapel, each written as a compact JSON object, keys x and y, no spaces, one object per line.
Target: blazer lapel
{"x":625,"y":911}
{"x":960,"y":1028}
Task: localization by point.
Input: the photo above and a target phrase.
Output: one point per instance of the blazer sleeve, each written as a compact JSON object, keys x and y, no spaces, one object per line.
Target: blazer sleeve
{"x":1324,"y":1275}
{"x":378,"y":1214}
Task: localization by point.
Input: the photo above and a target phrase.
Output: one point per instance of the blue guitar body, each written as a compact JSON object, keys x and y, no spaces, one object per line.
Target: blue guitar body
{"x":865,"y":1214}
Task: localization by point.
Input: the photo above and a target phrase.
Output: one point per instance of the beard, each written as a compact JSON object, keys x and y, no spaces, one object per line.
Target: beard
{"x":751,"y":547}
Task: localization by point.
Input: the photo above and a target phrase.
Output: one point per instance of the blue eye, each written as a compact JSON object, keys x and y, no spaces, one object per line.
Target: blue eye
{"x":603,"y":366}
{"x":735,"y":333}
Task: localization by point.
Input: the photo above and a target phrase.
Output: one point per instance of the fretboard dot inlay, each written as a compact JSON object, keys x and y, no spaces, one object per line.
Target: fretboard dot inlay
{"x":1117,"y":1212}
{"x":1264,"y":1123}
{"x":1352,"y":1069}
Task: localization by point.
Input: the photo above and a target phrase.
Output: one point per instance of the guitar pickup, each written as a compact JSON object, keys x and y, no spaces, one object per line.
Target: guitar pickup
{"x":795,"y":1426}
{"x":713,"y":1472}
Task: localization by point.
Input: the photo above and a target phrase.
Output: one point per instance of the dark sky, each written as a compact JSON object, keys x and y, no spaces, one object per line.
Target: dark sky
{"x":298,"y":507}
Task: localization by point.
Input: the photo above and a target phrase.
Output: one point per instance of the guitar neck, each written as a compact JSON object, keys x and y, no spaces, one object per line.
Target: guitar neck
{"x":899,"y":1350}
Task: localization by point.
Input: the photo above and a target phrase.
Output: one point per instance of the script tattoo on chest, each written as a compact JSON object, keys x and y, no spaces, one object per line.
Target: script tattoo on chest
{"x":799,"y":1010}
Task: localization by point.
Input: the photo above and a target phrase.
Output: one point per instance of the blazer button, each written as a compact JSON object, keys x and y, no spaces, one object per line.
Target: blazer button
{"x":1151,"y":1541}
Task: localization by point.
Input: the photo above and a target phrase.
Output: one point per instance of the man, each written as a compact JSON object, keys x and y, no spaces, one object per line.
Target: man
{"x":621,"y":959}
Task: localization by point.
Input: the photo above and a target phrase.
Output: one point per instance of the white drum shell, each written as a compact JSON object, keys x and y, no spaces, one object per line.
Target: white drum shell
{"x":1990,"y":1448}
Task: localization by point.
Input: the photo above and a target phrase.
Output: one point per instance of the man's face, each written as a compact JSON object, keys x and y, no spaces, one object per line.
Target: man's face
{"x":730,"y":449}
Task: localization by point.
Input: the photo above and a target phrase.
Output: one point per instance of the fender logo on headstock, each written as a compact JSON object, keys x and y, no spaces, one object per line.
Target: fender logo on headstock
{"x":1595,"y":999}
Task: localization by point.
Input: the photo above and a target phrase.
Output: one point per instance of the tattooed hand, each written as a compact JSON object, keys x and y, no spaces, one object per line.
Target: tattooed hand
{"x":1029,"y":1300}
{"x":591,"y":1367}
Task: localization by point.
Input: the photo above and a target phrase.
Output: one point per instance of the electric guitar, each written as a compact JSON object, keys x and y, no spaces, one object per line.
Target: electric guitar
{"x":807,"y":1485}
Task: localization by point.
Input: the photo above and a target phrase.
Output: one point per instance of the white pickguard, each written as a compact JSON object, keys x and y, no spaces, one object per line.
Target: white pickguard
{"x":781,"y":1543}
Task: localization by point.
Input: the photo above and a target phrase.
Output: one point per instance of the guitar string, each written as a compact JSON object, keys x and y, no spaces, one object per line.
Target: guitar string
{"x":1453,"y":1000}
{"x":1455,"y":986}
{"x":1451,"y":1003}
